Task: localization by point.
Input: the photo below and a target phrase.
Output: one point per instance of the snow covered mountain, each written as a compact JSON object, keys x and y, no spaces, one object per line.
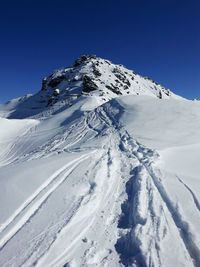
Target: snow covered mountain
{"x":99,"y":168}
{"x":88,"y":76}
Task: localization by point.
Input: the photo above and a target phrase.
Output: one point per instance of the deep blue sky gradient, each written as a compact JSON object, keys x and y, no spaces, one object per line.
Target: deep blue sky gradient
{"x":158,"y":38}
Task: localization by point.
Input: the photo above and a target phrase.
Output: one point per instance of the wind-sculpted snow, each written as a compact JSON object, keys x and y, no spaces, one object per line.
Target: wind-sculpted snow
{"x":80,"y":190}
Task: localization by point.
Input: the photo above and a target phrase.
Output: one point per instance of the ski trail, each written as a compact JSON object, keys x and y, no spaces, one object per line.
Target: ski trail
{"x":39,"y":244}
{"x":58,"y":261}
{"x":36,"y":193}
{"x":196,"y":202}
{"x":83,"y":221}
{"x":128,"y":245}
{"x":66,"y":221}
{"x":64,"y":140}
{"x":146,"y":157}
{"x":121,"y":193}
{"x":79,"y":216}
{"x":38,"y":203}
{"x":11,"y":152}
{"x":181,"y":225}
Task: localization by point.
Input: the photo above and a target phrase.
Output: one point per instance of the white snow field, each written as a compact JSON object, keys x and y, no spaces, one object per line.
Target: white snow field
{"x":100,"y":182}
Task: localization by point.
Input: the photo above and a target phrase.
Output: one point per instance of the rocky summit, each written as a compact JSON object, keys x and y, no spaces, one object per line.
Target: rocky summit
{"x":88,"y":76}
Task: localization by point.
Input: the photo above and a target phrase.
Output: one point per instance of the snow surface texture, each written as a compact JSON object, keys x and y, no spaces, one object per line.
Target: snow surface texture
{"x":99,"y":177}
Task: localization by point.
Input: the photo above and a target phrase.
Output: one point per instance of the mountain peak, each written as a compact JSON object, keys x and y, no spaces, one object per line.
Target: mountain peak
{"x":83,"y":59}
{"x":100,"y":77}
{"x":90,"y":75}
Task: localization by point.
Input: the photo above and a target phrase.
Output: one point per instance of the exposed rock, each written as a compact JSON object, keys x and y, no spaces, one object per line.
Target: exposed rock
{"x":92,"y":56}
{"x":108,"y":62}
{"x":121,"y":77}
{"x":50,"y":101}
{"x":88,"y":84}
{"x":126,"y":81}
{"x":114,"y":89}
{"x":94,"y":76}
{"x":55,"y":81}
{"x":167,"y":92}
{"x":147,"y":78}
{"x":160,"y":94}
{"x":44,"y":83}
{"x":82,"y":59}
{"x":79,"y":61}
{"x":96,"y":71}
{"x":56,"y":92}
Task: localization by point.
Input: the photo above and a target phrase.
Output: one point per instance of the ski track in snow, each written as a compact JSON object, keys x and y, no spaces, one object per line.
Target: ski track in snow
{"x":39,"y":191}
{"x":186,"y":235}
{"x":36,"y":201}
{"x":155,"y":175}
{"x":143,"y":217}
{"x":196,"y":202}
{"x":58,"y":261}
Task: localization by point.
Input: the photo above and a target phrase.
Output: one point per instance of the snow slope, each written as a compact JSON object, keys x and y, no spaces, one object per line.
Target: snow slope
{"x":98,"y":182}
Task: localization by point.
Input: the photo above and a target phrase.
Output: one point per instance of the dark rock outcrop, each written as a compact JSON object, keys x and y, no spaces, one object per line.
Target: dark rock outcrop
{"x":88,"y":84}
{"x":44,"y":83}
{"x":82,"y":59}
{"x":55,"y":81}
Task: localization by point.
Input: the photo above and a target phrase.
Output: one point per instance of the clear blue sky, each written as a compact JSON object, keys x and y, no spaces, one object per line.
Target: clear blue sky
{"x":157,"y":38}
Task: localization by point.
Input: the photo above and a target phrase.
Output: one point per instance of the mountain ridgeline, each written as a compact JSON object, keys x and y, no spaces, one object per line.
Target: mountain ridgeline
{"x":88,"y":76}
